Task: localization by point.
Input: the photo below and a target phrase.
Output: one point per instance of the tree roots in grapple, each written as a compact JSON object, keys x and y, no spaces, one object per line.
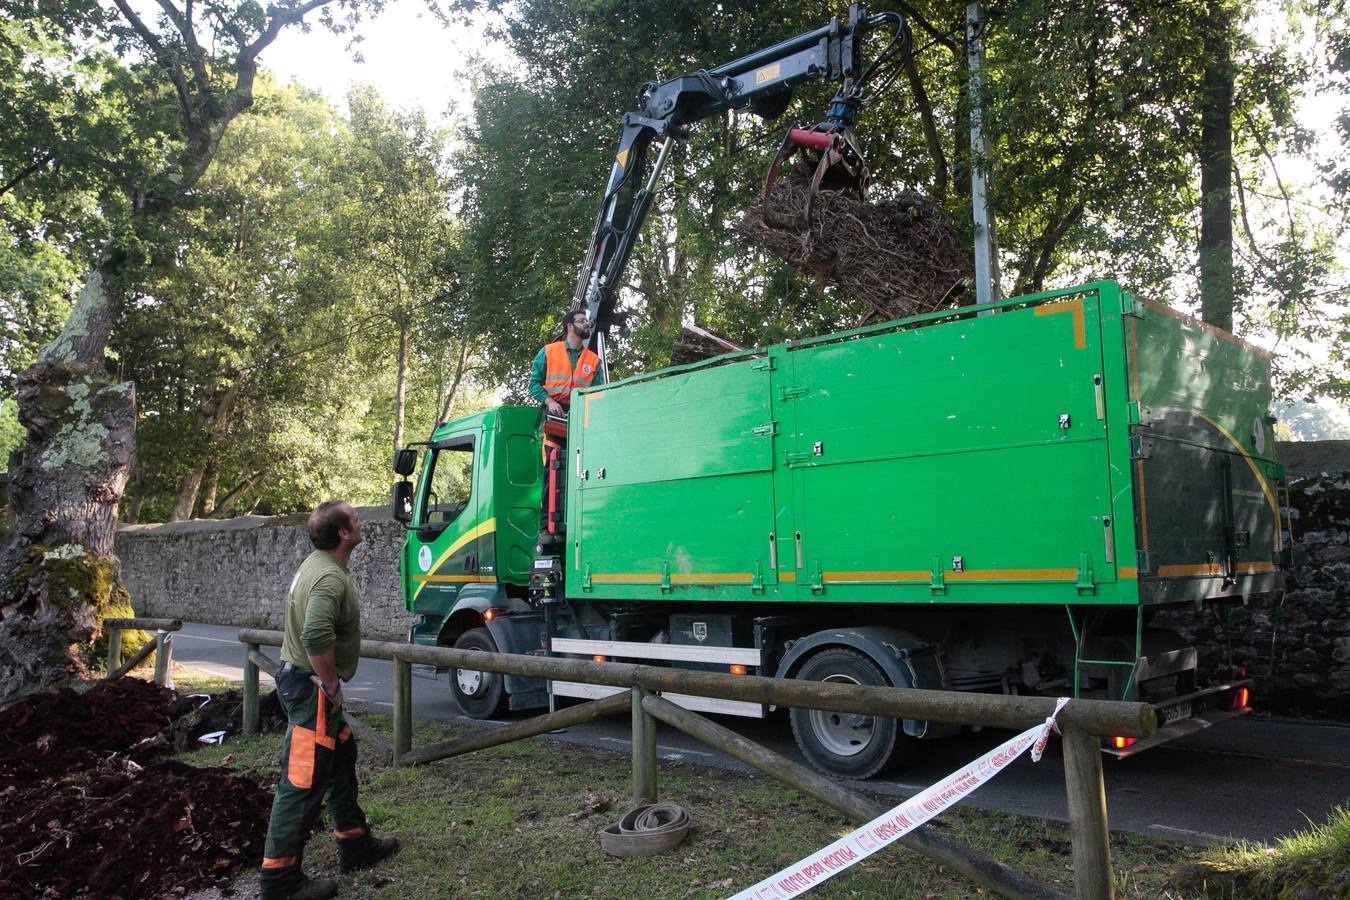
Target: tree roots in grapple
{"x":901,"y":257}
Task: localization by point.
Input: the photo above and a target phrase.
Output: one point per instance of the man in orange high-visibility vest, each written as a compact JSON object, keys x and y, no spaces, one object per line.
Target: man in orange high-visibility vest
{"x":563,"y":366}
{"x":560,"y":368}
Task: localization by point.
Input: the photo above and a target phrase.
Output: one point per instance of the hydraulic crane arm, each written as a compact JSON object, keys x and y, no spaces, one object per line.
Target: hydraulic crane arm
{"x":762,"y":81}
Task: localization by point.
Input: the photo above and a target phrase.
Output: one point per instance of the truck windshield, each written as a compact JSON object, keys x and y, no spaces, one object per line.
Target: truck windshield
{"x":451,"y":484}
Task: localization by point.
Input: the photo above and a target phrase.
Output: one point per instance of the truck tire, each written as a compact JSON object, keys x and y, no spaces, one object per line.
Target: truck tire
{"x":846,"y":745}
{"x":480,"y":695}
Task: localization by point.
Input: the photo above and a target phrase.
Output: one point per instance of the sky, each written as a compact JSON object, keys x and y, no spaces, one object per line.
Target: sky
{"x":409,"y":56}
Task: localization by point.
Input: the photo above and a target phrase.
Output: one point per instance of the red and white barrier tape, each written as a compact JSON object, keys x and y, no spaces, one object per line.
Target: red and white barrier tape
{"x":896,"y":823}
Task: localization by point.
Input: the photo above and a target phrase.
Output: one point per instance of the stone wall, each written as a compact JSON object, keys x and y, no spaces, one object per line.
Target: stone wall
{"x":237,"y":571}
{"x":1301,"y":648}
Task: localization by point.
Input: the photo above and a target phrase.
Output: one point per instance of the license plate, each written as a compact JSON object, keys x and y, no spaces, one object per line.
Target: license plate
{"x":1175,"y":713}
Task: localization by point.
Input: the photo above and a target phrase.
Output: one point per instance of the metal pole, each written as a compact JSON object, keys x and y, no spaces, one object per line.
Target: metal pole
{"x":1087,"y":815}
{"x":986,"y":244}
{"x":644,"y":752}
{"x":114,"y":649}
{"x":163,"y":658}
{"x":250,"y":723}
{"x":402,"y":709}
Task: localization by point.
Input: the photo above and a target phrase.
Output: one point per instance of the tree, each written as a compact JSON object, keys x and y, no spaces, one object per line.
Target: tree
{"x":194,"y":69}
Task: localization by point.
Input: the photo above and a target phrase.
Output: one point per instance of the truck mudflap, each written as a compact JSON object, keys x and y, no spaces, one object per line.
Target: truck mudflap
{"x":1188,"y":714}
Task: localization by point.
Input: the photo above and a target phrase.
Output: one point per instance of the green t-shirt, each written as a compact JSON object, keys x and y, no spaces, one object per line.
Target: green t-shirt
{"x":323,"y":611}
{"x":540,"y":366}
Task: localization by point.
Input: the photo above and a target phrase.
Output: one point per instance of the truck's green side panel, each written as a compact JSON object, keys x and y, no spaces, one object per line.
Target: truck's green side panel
{"x":957,"y":458}
{"x":1207,"y":510}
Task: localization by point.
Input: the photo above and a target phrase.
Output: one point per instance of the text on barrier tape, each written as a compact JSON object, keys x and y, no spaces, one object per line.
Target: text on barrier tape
{"x":894,"y":824}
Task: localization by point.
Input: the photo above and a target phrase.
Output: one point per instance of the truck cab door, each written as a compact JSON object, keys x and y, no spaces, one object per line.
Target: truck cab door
{"x":443,"y":543}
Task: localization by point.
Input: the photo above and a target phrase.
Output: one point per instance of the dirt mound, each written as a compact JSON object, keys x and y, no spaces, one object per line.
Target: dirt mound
{"x":135,"y":833}
{"x":86,"y":811}
{"x":902,"y":257}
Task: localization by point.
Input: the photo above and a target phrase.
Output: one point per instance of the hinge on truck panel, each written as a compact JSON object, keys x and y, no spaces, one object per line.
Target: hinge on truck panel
{"x":665,"y":578}
{"x":938,"y":582}
{"x":764,"y":365}
{"x":1140,"y":448}
{"x":1086,"y":585}
{"x":1130,"y":306}
{"x":817,"y":581}
{"x":796,"y":456}
{"x":757,"y":583}
{"x":1140,"y":414}
{"x":771,"y":428}
{"x":1142,"y":563}
{"x":586,"y":578}
{"x":788,"y":392}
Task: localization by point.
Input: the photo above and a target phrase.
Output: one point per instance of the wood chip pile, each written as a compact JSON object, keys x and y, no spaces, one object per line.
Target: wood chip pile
{"x":901,"y":257}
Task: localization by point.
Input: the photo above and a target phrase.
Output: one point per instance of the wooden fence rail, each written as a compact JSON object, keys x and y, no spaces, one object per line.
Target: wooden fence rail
{"x":1082,"y":723}
{"x":161,"y":646}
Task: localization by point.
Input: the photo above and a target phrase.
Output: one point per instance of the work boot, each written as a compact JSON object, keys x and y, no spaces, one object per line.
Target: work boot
{"x":305,"y":889}
{"x":365,"y":851}
{"x":316,"y":889}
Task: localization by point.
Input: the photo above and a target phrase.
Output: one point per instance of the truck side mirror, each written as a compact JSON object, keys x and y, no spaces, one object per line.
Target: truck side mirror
{"x":405,"y":460}
{"x":403,"y":491}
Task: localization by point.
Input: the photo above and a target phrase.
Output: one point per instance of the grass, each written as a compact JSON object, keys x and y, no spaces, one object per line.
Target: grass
{"x":521,"y":821}
{"x":1308,"y":865}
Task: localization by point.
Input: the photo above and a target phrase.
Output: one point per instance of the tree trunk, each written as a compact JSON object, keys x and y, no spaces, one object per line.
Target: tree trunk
{"x":1216,"y":166}
{"x":453,"y":391}
{"x":401,"y":393}
{"x":60,"y":573}
{"x":212,"y":485}
{"x":213,"y":415}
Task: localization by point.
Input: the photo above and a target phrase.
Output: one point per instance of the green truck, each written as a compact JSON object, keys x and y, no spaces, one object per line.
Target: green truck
{"x":992,"y":498}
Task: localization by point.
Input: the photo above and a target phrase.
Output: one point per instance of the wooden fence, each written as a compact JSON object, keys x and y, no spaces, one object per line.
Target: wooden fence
{"x":161,"y":646}
{"x":1081,"y":722}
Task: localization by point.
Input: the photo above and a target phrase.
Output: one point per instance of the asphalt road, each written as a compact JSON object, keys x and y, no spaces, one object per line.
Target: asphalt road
{"x":1251,"y":778}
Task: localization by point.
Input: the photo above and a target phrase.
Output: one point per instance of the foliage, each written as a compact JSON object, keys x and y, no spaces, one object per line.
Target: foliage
{"x":1093,"y":112}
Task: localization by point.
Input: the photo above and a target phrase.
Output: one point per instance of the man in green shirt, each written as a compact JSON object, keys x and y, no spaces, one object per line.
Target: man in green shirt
{"x":320,"y":651}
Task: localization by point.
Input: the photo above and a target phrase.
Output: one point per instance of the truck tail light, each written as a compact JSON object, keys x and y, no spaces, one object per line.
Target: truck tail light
{"x":599,"y":658}
{"x":738,"y":670}
{"x":1120,"y":743}
{"x":490,"y":614}
{"x":1243,"y":695}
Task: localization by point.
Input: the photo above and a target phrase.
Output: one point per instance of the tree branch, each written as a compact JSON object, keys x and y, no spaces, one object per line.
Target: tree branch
{"x":941,"y":37}
{"x":30,"y":170}
{"x":930,"y":132}
{"x":167,"y":61}
{"x":183,"y":22}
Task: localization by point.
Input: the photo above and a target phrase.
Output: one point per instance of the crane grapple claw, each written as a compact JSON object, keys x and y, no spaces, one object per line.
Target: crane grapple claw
{"x":839,"y":167}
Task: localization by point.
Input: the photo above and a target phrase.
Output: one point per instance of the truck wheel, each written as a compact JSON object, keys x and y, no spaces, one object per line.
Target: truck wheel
{"x":480,"y":695}
{"x":846,"y":745}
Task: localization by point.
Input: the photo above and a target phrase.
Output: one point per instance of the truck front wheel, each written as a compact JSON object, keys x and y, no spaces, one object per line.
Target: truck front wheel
{"x":845,"y":745}
{"x":480,"y":695}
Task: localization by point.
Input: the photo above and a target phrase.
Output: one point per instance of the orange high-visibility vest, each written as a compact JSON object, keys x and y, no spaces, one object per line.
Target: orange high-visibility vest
{"x":561,"y":377}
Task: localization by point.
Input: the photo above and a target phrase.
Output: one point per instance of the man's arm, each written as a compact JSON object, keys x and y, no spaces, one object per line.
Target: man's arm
{"x":537,"y":377}
{"x":319,"y":635}
{"x":325,"y":667}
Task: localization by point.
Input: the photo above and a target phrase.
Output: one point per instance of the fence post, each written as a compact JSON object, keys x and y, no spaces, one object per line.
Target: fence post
{"x":250,"y":725}
{"x":114,"y":650}
{"x":1087,"y":815}
{"x":163,"y":657}
{"x":402,"y":709}
{"x":644,"y":752}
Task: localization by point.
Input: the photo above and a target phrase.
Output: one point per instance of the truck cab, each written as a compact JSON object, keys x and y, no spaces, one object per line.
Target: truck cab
{"x":472,"y":519}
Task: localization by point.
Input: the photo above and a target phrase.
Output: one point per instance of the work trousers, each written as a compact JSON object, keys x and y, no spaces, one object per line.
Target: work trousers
{"x":318,"y":768}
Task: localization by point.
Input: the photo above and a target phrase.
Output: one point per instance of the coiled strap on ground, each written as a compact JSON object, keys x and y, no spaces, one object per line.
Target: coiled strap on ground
{"x":645,"y":830}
